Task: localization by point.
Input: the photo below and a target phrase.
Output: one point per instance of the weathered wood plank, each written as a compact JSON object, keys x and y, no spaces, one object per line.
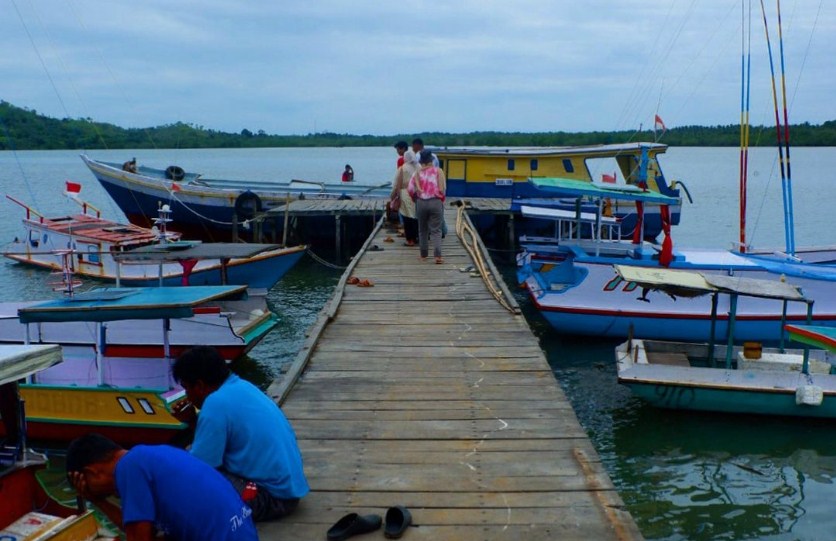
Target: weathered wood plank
{"x":424,"y":391}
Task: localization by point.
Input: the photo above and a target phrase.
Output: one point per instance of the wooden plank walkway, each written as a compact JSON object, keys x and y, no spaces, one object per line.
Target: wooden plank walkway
{"x":423,"y":391}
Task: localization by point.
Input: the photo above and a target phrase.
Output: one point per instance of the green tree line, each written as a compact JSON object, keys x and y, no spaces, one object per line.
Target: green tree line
{"x":24,"y":129}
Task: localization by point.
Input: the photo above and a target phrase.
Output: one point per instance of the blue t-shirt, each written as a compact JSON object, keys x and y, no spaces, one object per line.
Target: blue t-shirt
{"x":242,"y":431}
{"x":184,"y":497}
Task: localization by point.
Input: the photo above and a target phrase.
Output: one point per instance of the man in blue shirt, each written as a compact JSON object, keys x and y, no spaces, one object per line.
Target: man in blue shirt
{"x":241,"y":432}
{"x":161,"y":488}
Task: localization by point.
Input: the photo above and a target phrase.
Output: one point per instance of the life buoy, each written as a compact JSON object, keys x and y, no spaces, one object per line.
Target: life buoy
{"x":247,"y":205}
{"x":174,"y":172}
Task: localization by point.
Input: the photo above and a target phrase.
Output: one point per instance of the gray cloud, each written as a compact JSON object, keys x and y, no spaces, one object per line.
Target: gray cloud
{"x":381,"y":67}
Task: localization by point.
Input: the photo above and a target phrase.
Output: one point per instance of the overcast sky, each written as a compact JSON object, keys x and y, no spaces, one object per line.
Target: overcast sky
{"x":381,"y":67}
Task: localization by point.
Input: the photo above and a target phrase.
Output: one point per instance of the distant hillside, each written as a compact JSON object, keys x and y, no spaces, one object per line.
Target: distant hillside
{"x":23,"y":129}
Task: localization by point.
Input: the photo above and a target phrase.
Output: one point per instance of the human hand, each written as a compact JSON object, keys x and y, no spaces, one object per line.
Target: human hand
{"x":184,"y":411}
{"x":79,"y":482}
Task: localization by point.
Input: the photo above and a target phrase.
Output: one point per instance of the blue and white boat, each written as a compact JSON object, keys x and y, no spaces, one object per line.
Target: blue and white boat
{"x":210,"y":208}
{"x":711,"y":376}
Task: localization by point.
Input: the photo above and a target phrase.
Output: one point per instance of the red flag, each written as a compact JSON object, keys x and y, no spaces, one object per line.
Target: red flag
{"x":73,"y":188}
{"x":609,"y":179}
{"x":659,"y":125}
{"x":175,"y":187}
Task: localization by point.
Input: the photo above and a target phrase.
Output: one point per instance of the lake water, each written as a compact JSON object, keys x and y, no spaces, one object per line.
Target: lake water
{"x":682,"y":475}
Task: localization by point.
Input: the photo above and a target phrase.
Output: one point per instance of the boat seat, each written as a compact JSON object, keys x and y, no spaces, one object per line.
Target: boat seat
{"x":669,"y":359}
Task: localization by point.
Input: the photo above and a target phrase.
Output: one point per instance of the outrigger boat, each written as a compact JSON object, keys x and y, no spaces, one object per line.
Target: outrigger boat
{"x":232,"y":325}
{"x":124,"y":398}
{"x":136,"y":256}
{"x":28,"y":511}
{"x":210,"y":204}
{"x":721,"y":377}
{"x":506,"y":173}
{"x":571,"y":282}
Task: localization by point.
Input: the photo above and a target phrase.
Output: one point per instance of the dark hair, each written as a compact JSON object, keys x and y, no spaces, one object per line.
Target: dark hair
{"x":426,"y":156}
{"x":401,"y":144}
{"x":89,"y":449}
{"x":418,"y":141}
{"x":202,"y":363}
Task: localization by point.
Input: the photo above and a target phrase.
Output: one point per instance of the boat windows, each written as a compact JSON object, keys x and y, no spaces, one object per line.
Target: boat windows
{"x":33,"y":239}
{"x":511,"y":164}
{"x":146,"y":406}
{"x":568,"y":166}
{"x":125,"y":403}
{"x":92,"y":254}
{"x":534,"y":165}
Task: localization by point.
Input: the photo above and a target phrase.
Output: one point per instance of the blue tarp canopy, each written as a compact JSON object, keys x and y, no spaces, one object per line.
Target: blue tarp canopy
{"x":567,"y":187}
{"x":114,"y":303}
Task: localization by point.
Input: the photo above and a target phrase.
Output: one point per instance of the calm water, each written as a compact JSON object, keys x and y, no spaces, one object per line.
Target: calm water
{"x":682,"y":476}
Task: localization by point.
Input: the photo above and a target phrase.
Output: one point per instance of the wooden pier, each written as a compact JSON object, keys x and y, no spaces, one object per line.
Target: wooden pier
{"x":425,"y":391}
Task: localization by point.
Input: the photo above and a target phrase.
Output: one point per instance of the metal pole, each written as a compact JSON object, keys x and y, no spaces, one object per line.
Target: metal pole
{"x":805,"y":364}
{"x":732,"y":317}
{"x":338,"y":246}
{"x":713,"y":333}
{"x":100,"y":352}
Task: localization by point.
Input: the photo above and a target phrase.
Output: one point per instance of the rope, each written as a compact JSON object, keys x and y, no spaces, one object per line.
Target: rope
{"x":463,"y":227}
{"x":324,"y":262}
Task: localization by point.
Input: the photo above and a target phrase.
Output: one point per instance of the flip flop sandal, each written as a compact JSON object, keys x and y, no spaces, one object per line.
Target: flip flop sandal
{"x":439,"y":260}
{"x":353,"y":280}
{"x":388,"y":239}
{"x":365,"y":283}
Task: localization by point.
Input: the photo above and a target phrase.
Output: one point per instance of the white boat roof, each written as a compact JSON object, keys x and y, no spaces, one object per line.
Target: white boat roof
{"x":18,"y":362}
{"x":698,"y":283}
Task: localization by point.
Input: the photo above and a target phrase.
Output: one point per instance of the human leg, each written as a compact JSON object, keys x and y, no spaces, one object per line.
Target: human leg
{"x":435,"y":219}
{"x":263,"y":504}
{"x":423,"y":213}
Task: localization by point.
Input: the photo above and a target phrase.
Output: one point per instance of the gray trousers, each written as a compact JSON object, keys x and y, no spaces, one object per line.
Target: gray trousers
{"x":430,"y":217}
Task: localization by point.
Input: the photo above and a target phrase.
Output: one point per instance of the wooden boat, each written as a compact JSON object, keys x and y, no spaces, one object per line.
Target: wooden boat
{"x":203,"y":204}
{"x":712,"y":377}
{"x":571,"y":282}
{"x":232,"y":325}
{"x":27,"y":508}
{"x":136,"y":256}
{"x":124,"y":398}
{"x":505,"y":173}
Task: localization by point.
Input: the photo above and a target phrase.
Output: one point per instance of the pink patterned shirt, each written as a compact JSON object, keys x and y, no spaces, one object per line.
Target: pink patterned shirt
{"x":428,"y":183}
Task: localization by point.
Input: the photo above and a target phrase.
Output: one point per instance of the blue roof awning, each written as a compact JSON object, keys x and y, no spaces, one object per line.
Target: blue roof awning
{"x":566,"y":187}
{"x":112,"y":304}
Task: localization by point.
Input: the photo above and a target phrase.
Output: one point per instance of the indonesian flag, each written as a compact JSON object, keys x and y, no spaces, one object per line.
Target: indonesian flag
{"x":609,"y":179}
{"x":72,"y":189}
{"x":658,"y":125}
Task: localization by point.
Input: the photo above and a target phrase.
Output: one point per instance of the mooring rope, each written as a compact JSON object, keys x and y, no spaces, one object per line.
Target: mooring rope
{"x":462,"y":228}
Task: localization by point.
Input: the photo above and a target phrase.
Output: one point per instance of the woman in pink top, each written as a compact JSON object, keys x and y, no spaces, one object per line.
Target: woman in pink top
{"x":427,"y":187}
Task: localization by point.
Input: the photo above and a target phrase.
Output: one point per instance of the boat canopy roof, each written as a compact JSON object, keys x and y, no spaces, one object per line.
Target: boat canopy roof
{"x":568,"y":187}
{"x":597,"y":151}
{"x":115,"y":303}
{"x":691,"y":283}
{"x":18,"y":362}
{"x":814,"y":335}
{"x":179,"y":251}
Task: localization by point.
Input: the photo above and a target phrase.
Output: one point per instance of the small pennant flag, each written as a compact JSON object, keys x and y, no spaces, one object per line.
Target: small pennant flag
{"x":609,"y":179}
{"x":72,"y":189}
{"x":659,"y":125}
{"x":175,"y":187}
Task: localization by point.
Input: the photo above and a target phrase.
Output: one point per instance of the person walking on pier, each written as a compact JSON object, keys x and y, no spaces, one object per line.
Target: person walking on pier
{"x":241,"y":432}
{"x":399,"y":193}
{"x":427,"y":186}
{"x":160,"y":487}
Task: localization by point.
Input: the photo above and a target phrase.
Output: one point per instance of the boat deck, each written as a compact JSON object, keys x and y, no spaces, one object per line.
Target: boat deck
{"x":425,"y":391}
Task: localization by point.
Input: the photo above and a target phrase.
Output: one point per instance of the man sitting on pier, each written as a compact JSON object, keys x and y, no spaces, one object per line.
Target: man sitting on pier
{"x":241,"y":432}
